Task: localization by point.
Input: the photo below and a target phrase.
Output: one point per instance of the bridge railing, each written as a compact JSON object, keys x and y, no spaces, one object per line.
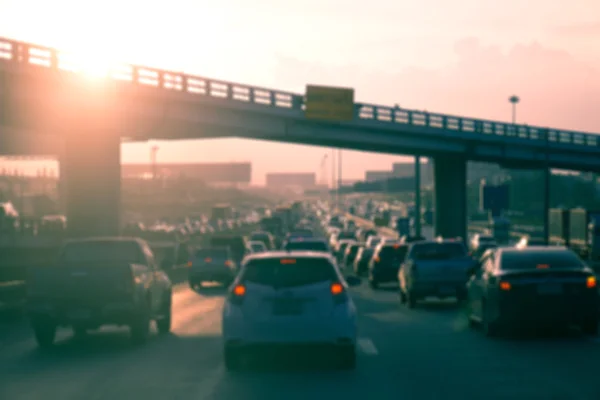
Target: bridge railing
{"x":14,"y":51}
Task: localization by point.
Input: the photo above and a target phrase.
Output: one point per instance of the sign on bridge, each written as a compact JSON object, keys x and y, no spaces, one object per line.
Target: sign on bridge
{"x":329,"y":103}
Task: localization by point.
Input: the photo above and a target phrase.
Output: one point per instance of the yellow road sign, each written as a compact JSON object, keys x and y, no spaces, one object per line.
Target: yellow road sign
{"x":329,"y":103}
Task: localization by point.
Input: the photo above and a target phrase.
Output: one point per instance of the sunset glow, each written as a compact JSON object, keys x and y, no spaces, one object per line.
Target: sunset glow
{"x":460,"y":60}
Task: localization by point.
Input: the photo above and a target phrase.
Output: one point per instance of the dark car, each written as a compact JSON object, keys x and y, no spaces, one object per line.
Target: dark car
{"x":541,"y":286}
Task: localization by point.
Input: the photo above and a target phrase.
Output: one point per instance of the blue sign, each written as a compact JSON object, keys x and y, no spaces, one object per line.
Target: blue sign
{"x":495,"y":198}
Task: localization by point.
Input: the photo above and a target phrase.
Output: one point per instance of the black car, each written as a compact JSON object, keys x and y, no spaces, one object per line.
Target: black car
{"x":540,"y":285}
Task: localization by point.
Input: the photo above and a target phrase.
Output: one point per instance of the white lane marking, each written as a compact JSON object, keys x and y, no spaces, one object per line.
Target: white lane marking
{"x":367,"y":346}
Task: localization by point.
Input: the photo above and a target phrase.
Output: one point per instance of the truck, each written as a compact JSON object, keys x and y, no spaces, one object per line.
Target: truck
{"x":273,"y":225}
{"x":221,"y":212}
{"x":584,"y":233}
{"x":286,"y":215}
{"x":96,"y":282}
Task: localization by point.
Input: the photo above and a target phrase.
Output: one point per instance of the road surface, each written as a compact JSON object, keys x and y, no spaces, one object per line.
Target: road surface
{"x":426,"y":353}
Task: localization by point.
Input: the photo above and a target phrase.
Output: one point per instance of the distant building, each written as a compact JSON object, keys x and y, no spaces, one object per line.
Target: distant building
{"x":206,"y":172}
{"x":373,"y":176}
{"x":304,"y":180}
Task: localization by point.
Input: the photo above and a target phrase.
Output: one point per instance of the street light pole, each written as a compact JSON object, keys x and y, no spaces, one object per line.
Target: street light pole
{"x":332,"y":197}
{"x":417,"y":196}
{"x":339,"y":187}
{"x":547,"y":178}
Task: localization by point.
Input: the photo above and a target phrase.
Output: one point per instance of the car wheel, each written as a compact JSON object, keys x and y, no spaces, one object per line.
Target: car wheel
{"x":80,"y":332}
{"x":45,"y":333}
{"x":140,"y":328}
{"x":232,"y":359}
{"x":411,"y":300}
{"x":490,"y":328}
{"x":590,"y":328}
{"x":402,"y":296}
{"x":347,"y":358}
{"x":164,"y":323}
{"x":373,"y":284}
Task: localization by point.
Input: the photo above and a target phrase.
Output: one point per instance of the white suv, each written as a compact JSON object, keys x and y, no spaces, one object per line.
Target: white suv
{"x":290,"y":298}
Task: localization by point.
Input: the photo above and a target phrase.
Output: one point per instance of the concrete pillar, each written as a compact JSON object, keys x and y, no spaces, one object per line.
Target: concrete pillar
{"x":91,"y":162}
{"x":92,"y":182}
{"x":450,"y":176}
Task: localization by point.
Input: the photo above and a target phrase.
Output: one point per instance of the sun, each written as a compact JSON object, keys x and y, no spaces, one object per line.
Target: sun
{"x":91,"y":64}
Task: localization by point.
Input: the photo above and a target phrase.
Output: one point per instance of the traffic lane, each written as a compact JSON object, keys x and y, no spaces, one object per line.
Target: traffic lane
{"x":15,"y":330}
{"x":187,"y":364}
{"x":418,"y":354}
{"x":432,"y":353}
{"x":105,"y":365}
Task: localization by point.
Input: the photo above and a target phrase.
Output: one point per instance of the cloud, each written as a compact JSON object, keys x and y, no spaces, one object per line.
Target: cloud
{"x":586,"y":29}
{"x":556,"y":89}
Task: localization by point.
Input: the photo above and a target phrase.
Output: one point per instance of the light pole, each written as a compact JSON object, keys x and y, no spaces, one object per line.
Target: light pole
{"x":332,"y":197}
{"x":417,"y":196}
{"x":339,"y":187}
{"x":153,"y":152}
{"x":514,"y":100}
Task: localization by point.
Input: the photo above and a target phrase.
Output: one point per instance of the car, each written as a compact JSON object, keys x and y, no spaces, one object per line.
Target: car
{"x":538,"y":285}
{"x":434,"y":269}
{"x":97,"y":282}
{"x":256,"y":247}
{"x":211,"y":264}
{"x":290,"y":299}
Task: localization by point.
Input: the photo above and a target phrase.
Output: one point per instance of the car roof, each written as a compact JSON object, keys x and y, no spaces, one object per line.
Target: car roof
{"x":533,"y":249}
{"x":310,"y":239}
{"x":273,"y":255}
{"x":104,"y":239}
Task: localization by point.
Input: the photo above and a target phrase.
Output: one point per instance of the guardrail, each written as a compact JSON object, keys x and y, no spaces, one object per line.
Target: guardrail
{"x":35,"y":55}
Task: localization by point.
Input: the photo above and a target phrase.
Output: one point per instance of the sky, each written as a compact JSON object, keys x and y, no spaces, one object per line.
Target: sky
{"x":461,"y":57}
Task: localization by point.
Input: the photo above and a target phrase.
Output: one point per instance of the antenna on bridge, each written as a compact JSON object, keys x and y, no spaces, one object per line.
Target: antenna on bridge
{"x":514,"y":100}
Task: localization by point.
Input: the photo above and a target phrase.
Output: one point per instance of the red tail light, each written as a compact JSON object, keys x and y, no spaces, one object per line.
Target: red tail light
{"x":338,"y":291}
{"x":228,"y":263}
{"x":238,"y":292}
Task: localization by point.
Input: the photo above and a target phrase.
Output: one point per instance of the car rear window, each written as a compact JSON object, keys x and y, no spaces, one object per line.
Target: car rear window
{"x":259,"y":237}
{"x":216,"y":253}
{"x":276,"y":272}
{"x":99,"y":251}
{"x":394,"y":252}
{"x":309,"y":246}
{"x":438,"y":251}
{"x":515,"y":260}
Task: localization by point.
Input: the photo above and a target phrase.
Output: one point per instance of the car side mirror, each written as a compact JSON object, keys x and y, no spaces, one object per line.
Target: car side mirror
{"x":353,"y":281}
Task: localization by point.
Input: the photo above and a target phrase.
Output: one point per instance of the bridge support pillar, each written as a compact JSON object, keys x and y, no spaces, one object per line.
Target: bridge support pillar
{"x":91,"y":184}
{"x":450,"y":174}
{"x":90,"y":170}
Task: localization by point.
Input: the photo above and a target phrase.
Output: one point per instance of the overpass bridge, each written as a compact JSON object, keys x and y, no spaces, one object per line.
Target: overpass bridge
{"x":46,"y":97}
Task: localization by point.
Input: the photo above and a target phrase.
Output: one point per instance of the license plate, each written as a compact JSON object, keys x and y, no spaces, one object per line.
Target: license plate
{"x":287,"y":308}
{"x":80,"y":314}
{"x":550,"y":288}
{"x":447,"y":290}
